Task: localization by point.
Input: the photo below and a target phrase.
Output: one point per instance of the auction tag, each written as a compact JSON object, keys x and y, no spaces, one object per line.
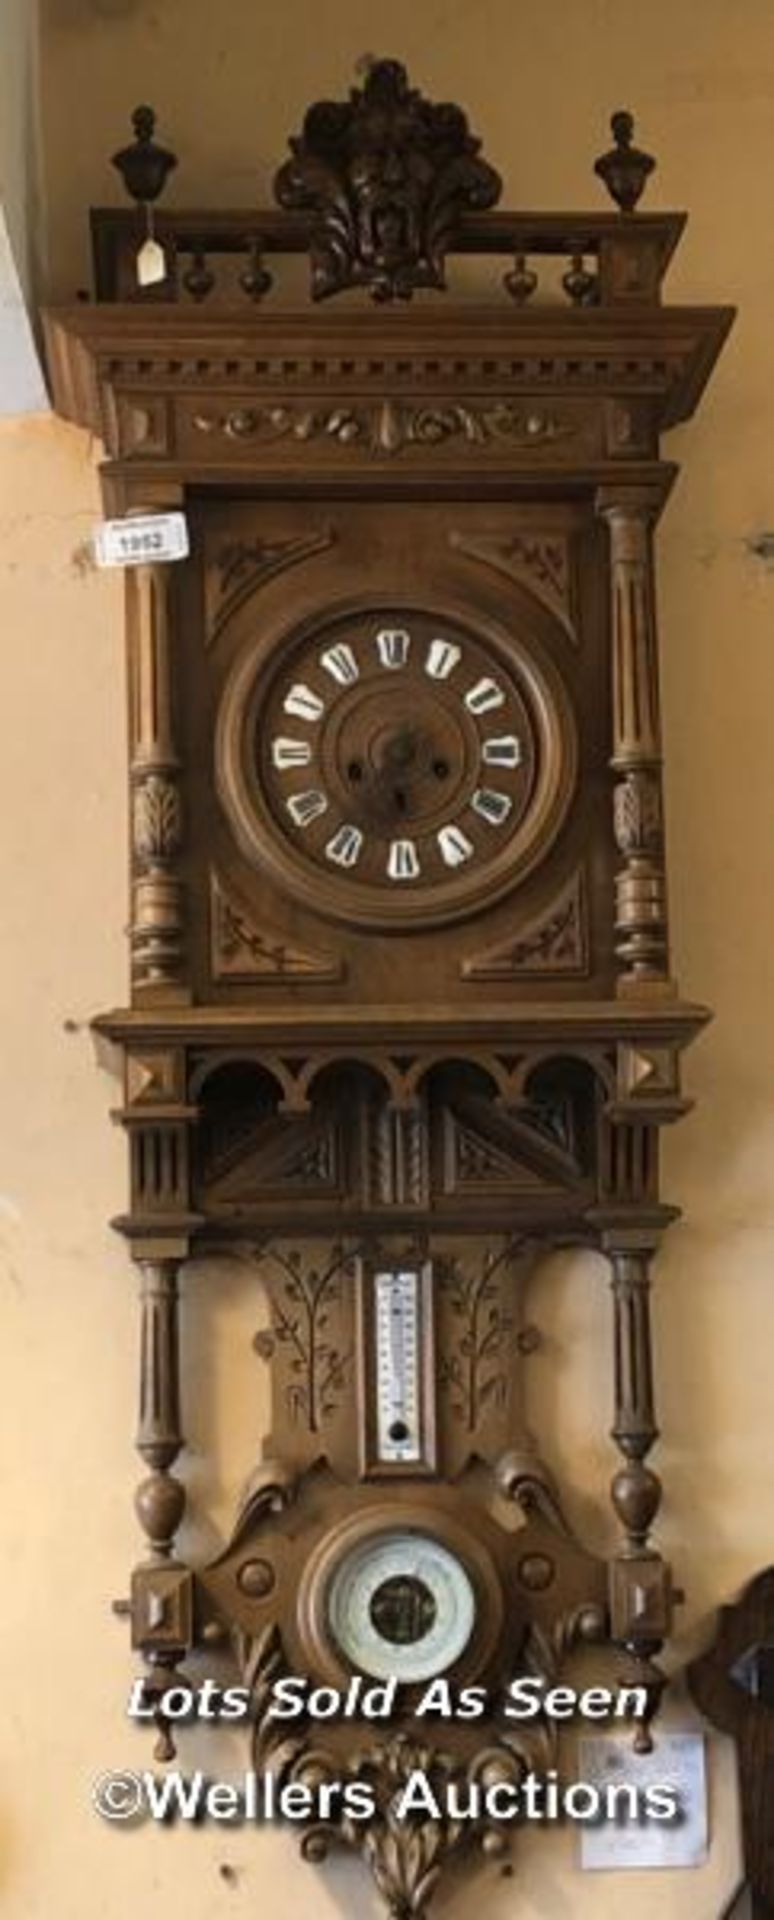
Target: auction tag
{"x":140,"y":539}
{"x":673,"y":1774}
{"x":151,"y":263}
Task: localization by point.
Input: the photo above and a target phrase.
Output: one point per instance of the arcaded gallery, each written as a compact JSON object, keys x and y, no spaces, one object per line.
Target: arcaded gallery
{"x":386,"y":997}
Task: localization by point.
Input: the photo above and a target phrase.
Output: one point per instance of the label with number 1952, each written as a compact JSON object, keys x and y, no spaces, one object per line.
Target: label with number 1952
{"x":141,"y":540}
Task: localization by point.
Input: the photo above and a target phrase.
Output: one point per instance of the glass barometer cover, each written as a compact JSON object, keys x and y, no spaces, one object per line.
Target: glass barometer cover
{"x":401,"y":1605}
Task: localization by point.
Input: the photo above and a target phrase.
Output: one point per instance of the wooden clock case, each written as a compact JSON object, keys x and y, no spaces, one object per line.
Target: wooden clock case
{"x":329,"y":1072}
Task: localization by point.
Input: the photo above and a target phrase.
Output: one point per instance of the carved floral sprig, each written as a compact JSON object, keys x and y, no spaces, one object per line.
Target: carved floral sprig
{"x":318,"y":1368}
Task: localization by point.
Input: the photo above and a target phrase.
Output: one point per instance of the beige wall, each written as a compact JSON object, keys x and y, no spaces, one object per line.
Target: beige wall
{"x":230,"y":81}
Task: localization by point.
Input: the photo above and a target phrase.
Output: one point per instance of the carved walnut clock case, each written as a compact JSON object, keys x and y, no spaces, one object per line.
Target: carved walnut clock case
{"x":402,"y":1018}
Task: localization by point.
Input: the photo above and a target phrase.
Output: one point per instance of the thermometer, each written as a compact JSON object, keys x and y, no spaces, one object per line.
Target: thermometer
{"x":398,"y":1388}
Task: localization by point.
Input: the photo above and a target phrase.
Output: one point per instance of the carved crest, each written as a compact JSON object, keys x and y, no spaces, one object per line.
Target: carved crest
{"x":386,"y":176}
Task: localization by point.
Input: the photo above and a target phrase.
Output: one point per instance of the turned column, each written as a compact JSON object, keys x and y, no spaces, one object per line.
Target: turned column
{"x":161,"y":1600}
{"x":641,"y":905}
{"x":156,"y":930}
{"x":640,"y":1583}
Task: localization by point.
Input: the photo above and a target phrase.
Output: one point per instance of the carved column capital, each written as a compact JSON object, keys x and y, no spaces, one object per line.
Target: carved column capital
{"x":628,"y":503}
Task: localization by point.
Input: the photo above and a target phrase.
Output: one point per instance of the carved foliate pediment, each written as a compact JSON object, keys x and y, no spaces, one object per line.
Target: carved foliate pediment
{"x":386,"y":175}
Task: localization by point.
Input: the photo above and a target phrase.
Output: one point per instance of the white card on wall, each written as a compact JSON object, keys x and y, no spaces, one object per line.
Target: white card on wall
{"x":141,"y":539}
{"x":676,"y":1763}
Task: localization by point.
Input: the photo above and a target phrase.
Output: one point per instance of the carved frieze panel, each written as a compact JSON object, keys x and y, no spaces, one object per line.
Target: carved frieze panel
{"x":387,"y":428}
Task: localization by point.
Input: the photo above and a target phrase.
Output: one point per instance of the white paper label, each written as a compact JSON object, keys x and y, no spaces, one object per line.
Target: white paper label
{"x":676,"y":1763}
{"x":151,"y":263}
{"x":141,"y":539}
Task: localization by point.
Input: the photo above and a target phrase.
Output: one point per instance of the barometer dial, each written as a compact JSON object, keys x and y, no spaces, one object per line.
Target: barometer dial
{"x":401,"y":1604}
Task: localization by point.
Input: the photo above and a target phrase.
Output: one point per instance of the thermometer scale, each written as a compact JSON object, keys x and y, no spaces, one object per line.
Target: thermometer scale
{"x":396,"y":1327}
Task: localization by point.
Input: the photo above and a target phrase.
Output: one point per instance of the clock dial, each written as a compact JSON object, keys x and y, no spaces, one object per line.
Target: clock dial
{"x":396,"y":763}
{"x":401,"y":1604}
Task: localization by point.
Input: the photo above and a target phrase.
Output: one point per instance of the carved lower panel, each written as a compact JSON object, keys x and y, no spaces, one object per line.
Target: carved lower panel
{"x":539,"y":1594}
{"x":477,"y":1303}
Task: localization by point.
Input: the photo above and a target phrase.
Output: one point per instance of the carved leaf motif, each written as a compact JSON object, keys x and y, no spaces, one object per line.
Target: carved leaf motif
{"x":406,"y":1857}
{"x":389,"y":428}
{"x":157,"y":819}
{"x":386,"y":176}
{"x":637,"y":813}
{"x":316,"y":1368}
{"x":475,"y":1368}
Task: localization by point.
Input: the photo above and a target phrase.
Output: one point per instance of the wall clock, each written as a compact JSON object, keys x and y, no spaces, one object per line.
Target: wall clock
{"x":394,"y":766}
{"x":402,"y":1017}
